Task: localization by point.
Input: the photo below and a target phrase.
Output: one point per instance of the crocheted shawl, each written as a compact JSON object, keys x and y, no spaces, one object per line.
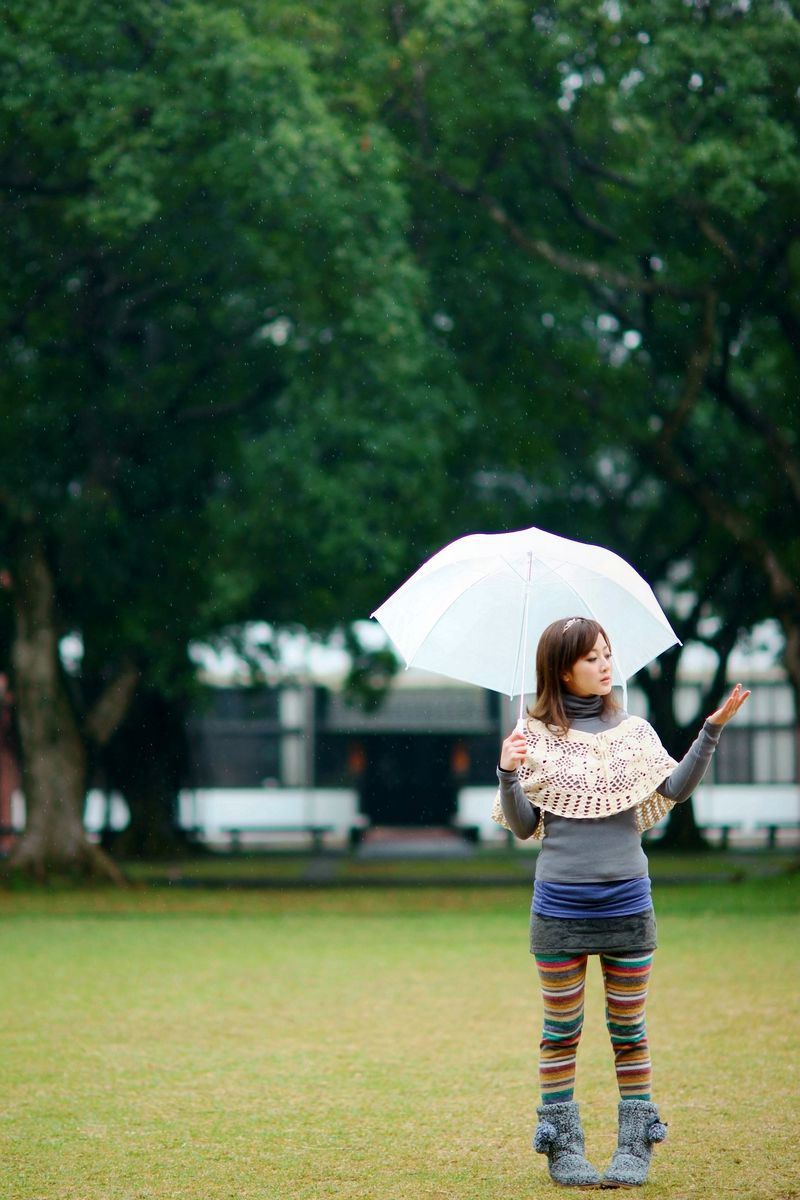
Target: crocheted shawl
{"x":591,"y":775}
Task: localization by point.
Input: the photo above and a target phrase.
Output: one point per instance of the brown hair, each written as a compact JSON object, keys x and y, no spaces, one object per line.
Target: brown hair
{"x":560,"y":646}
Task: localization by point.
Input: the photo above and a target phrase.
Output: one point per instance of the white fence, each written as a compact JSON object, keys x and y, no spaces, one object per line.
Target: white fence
{"x":277,"y":812}
{"x":283,"y":812}
{"x":744,"y":807}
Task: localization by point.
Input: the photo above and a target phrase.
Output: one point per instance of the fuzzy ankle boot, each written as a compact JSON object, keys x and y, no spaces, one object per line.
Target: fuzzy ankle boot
{"x":639,"y":1127}
{"x":559,"y":1135}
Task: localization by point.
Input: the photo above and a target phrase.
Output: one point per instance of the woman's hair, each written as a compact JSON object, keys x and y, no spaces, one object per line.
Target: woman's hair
{"x":560,"y":646}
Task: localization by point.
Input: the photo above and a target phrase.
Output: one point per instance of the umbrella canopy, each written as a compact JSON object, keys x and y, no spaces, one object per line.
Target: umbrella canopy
{"x":472,"y":611}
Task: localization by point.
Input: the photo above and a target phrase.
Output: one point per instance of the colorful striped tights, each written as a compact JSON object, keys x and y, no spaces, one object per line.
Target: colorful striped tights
{"x":563,"y":981}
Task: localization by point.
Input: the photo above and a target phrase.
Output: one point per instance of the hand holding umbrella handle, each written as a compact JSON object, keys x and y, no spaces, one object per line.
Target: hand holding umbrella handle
{"x":513,"y":750}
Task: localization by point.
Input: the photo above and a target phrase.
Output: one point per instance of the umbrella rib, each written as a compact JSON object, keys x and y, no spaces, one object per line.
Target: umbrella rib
{"x":522,"y":644}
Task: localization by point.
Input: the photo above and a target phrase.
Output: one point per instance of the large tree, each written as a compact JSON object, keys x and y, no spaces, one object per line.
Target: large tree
{"x":207,"y":297}
{"x":623,"y":189}
{"x":605,"y":199}
{"x":229,"y":353}
{"x":628,"y":182}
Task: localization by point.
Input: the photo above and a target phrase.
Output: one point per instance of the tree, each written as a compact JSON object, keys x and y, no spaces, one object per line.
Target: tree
{"x":628,"y":183}
{"x":207,"y":295}
{"x":606,"y":203}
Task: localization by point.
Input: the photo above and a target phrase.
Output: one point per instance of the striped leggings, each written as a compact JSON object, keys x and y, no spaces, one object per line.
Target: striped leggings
{"x":563,"y":980}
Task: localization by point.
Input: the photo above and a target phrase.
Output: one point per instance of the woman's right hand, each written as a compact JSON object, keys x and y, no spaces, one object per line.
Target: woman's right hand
{"x":513,"y":751}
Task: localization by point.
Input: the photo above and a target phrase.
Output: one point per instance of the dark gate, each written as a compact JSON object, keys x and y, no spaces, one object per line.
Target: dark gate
{"x":408,"y":780}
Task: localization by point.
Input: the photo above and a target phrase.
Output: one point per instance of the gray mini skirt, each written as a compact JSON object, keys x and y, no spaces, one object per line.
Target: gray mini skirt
{"x":634,"y":934}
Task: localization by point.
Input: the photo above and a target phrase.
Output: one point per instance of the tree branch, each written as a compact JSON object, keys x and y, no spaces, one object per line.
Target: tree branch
{"x":756,"y":421}
{"x":696,"y":369}
{"x":719,"y":240}
{"x":35,"y":187}
{"x":561,"y":188}
{"x":539,"y":248}
{"x":419,"y":109}
{"x":110,"y":708}
{"x":668,"y":464}
{"x":790,"y":326}
{"x":583,"y":219}
{"x":586,"y":164}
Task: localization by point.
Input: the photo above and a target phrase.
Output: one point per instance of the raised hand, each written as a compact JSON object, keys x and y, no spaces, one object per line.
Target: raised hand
{"x":730,"y":708}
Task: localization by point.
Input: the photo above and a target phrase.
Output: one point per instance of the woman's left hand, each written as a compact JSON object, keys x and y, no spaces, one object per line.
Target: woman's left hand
{"x":730,"y":707}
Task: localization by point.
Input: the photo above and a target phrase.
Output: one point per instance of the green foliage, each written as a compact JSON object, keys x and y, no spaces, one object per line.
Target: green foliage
{"x":606,"y":201}
{"x":291,"y":296}
{"x":212,"y":327}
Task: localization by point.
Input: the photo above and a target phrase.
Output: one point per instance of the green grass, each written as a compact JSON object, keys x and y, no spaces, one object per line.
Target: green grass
{"x":242,"y":1045}
{"x":487,"y":863}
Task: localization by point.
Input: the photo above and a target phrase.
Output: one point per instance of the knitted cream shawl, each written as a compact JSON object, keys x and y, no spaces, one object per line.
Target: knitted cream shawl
{"x":590,"y":775}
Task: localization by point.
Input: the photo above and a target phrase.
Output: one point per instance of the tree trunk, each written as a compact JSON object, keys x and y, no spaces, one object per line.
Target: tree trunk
{"x":54,"y":759}
{"x":791,"y":659}
{"x":682,"y":831}
{"x":147,"y":761}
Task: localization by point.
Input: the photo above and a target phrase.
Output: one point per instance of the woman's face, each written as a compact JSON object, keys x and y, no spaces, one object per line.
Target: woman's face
{"x":590,"y":675}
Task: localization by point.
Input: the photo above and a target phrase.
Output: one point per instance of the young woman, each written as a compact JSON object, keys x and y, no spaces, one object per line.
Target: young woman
{"x":588,"y":779}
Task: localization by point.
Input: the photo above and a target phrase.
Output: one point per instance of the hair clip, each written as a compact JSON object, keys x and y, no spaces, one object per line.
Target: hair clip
{"x":570,"y":622}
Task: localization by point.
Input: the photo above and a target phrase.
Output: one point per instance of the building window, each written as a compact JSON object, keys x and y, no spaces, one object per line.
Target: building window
{"x":733,"y":758}
{"x":752,"y":755}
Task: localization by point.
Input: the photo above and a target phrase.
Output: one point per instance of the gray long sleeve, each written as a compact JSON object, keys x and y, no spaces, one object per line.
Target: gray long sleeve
{"x":522,"y":817}
{"x":693,"y":766}
{"x":518,"y":811}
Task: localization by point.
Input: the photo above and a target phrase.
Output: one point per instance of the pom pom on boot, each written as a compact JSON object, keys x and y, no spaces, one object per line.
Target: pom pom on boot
{"x":559,"y":1135}
{"x":640,"y":1127}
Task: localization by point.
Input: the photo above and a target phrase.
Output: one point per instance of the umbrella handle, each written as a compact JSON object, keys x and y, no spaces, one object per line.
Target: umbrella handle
{"x":521,"y":725}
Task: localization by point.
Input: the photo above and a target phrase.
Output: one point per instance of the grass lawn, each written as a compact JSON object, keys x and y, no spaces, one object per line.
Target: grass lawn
{"x":244,"y":1045}
{"x":482,"y":864}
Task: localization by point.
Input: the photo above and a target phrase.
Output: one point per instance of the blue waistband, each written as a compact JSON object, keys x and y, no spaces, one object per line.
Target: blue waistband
{"x":617,"y":898}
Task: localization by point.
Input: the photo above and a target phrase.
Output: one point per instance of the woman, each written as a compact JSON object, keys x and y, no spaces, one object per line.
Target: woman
{"x":589,"y":779}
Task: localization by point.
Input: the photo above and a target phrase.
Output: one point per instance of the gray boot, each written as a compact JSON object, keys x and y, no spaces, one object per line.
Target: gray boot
{"x":559,"y":1135}
{"x":639,"y":1127}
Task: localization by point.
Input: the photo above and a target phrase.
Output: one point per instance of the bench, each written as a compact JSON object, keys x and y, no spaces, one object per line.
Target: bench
{"x":723,"y":828}
{"x":773,"y":828}
{"x":470,"y":833}
{"x":475,"y":833}
{"x":317,"y":833}
{"x":473,"y":816}
{"x":242,"y":814}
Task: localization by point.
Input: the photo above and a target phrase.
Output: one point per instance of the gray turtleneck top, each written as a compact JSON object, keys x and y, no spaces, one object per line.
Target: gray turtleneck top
{"x":604,"y":849}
